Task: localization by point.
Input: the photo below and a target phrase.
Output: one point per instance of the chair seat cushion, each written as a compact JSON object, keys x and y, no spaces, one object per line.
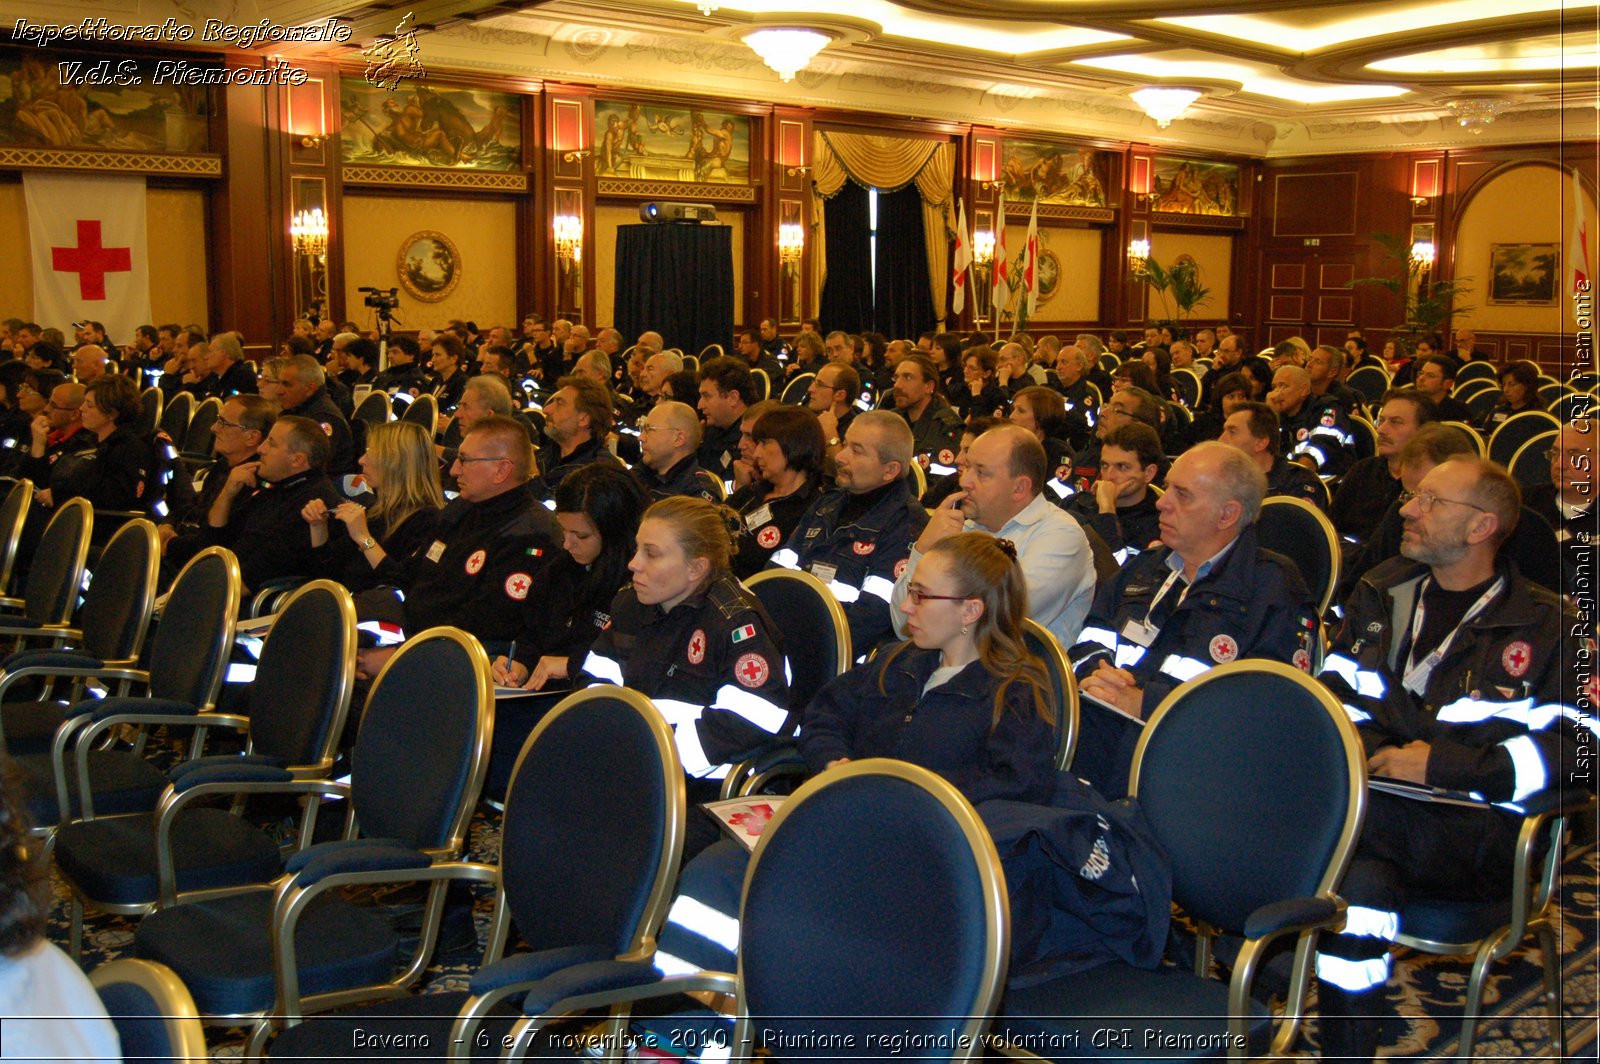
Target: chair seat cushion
{"x":222,"y":949}
{"x":122,"y":781}
{"x":113,"y":860}
{"x":1168,"y":1014}
{"x":405,"y":1028}
{"x":29,"y":726}
{"x":1454,"y":921}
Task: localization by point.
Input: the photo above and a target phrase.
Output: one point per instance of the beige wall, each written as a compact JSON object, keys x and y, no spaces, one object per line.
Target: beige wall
{"x":176,"y":241}
{"x":1525,"y":205}
{"x":1077,"y":297}
{"x":484,"y":232}
{"x":607,"y":219}
{"x":1214,"y":254}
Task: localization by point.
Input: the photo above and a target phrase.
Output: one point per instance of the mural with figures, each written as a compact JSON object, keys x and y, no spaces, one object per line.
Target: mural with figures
{"x":47,"y":101}
{"x":655,"y":143}
{"x":463,"y":129}
{"x":1052,"y":173}
{"x":1183,"y":186}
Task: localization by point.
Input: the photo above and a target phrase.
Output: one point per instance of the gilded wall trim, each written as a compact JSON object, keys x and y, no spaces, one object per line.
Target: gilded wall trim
{"x":421,"y":177}
{"x":120,"y":162}
{"x":618,"y":186}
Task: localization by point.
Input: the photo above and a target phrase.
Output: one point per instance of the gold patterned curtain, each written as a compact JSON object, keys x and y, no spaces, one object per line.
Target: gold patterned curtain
{"x":890,"y":164}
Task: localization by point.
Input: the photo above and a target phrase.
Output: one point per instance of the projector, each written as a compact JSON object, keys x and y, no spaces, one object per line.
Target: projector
{"x":702,"y":213}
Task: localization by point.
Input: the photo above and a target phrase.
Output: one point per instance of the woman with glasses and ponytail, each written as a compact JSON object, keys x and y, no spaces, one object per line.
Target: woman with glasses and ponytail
{"x":963,"y":697}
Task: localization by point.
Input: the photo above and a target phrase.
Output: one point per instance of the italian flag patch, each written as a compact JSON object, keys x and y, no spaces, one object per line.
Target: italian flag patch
{"x":741,"y":634}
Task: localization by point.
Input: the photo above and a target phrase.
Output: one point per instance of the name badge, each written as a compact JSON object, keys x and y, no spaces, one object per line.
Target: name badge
{"x":436,"y":551}
{"x":1140,"y":633}
{"x":758,"y":517}
{"x":824,"y":571}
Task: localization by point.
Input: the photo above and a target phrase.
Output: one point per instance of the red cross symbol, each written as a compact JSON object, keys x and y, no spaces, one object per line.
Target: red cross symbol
{"x":751,"y":670}
{"x":517,"y":585}
{"x":91,"y":261}
{"x":1518,"y":658}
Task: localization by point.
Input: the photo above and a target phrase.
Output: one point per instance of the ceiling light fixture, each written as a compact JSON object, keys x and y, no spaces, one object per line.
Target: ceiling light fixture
{"x":706,"y":6}
{"x":1165,"y":105}
{"x":787,"y":51}
{"x":1472,"y":113}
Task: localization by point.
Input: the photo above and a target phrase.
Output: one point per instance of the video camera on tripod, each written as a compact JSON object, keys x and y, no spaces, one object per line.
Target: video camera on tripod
{"x":384,"y":301}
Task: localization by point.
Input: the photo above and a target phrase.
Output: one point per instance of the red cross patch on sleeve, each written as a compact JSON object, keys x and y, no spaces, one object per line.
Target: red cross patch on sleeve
{"x":752,"y":670}
{"x":517,"y":585}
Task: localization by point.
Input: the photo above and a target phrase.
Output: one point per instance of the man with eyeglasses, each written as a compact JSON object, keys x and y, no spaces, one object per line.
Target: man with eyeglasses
{"x":57,"y":433}
{"x":1130,"y":405}
{"x":1567,"y":502}
{"x":1208,"y":595}
{"x":668,"y":437}
{"x":1368,"y":488}
{"x":236,"y":438}
{"x":832,"y":396}
{"x":1459,"y":675}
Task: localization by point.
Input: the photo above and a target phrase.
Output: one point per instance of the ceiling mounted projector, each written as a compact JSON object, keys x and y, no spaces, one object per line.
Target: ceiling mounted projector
{"x":702,"y":213}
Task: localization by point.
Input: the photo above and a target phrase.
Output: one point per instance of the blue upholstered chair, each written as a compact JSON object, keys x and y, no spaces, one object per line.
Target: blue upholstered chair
{"x":152,"y":1011}
{"x":55,"y":572}
{"x":853,"y":927}
{"x":13,"y":515}
{"x":176,"y":414}
{"x":1253,"y":780}
{"x":1043,"y":644}
{"x":256,"y":954}
{"x":75,"y":779}
{"x":110,"y":633}
{"x":1517,"y":430}
{"x":1303,"y":533}
{"x":581,"y":883}
{"x":298,"y":701}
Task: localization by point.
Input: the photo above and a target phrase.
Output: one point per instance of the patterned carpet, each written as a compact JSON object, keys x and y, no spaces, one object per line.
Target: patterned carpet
{"x":1428,"y":997}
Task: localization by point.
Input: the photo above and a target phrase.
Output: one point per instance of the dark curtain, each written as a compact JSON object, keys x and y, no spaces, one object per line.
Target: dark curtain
{"x":904,"y":304}
{"x":847,"y":293}
{"x":677,"y":280}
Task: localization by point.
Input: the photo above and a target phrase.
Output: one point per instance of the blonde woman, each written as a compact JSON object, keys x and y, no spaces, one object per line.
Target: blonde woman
{"x":401,"y":470}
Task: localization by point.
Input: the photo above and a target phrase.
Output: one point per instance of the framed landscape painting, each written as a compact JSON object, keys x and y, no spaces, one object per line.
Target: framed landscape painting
{"x":1523,"y":275}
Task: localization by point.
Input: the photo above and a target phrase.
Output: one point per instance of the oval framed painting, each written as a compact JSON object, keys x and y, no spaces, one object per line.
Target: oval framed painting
{"x":429,"y":265}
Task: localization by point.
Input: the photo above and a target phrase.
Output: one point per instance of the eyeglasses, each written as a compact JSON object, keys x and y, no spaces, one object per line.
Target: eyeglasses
{"x":1426,"y":500}
{"x":224,"y":423}
{"x":915,"y":596}
{"x":645,"y":427}
{"x":264,"y":379}
{"x":464,"y":460}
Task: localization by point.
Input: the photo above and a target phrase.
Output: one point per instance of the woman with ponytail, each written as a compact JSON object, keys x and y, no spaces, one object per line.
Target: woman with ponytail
{"x":963,"y":697}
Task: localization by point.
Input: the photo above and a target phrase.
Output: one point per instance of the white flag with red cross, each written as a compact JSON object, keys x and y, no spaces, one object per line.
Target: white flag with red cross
{"x":90,"y":259}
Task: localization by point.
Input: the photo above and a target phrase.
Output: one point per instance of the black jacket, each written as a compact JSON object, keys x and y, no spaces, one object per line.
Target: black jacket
{"x":684,"y":478}
{"x":265,"y":528}
{"x":342,"y":447}
{"x":766,"y":523}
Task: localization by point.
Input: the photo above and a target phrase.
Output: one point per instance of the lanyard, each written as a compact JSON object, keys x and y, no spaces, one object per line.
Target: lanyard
{"x":1419,"y":673}
{"x":1161,"y":594}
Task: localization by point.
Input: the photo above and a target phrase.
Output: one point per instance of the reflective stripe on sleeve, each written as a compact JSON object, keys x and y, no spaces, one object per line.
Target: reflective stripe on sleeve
{"x":1354,"y":976}
{"x":1528,"y":765}
{"x":1371,"y":923}
{"x":766,"y":715}
{"x":603,"y":668}
{"x":1104,"y":636}
{"x":1368,"y":683}
{"x":786,"y":557}
{"x":880,"y":586}
{"x":698,"y":918}
{"x":1129,"y":654}
{"x":1356,"y":716}
{"x":1183,"y":669}
{"x":844,"y":592}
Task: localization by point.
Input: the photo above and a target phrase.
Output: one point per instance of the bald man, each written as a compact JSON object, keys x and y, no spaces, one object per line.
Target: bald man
{"x":1316,"y":429}
{"x":668,"y":437}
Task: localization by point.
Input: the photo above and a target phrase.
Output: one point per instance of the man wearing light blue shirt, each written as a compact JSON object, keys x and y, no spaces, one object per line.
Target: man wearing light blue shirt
{"x":1000,"y":494}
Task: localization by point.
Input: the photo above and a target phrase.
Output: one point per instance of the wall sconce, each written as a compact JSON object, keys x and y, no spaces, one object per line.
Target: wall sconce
{"x":310,"y":232}
{"x":1422,"y":256}
{"x":983,"y":247}
{"x":1138,"y":255}
{"x":569,"y":237}
{"x":791,"y":242}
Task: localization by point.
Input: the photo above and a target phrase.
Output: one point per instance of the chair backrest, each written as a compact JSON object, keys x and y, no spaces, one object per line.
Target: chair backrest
{"x":1043,"y":644}
{"x":763,"y":383}
{"x":1573,"y":405}
{"x":1366,"y":436}
{"x":1253,"y":780}
{"x":305,"y":676}
{"x":713,"y":484}
{"x":690,"y":362}
{"x":1303,"y":533}
{"x":573,"y":871}
{"x":13,"y":515}
{"x":1483,"y":402}
{"x":197,"y":440}
{"x":56,"y":575}
{"x":808,"y":614}
{"x":122,"y":593}
{"x":1549,"y":393}
{"x":919,"y":478}
{"x":799,"y":389}
{"x":423,"y":793}
{"x":1465,"y":390}
{"x":712,"y":351}
{"x":154,"y":1013}
{"x":1109,"y":362}
{"x":1516,"y":430}
{"x":1530,"y":465}
{"x":374,"y":409}
{"x":189,"y":653}
{"x":424,"y":410}
{"x":1369,"y":382}
{"x":151,"y":403}
{"x":837,"y":915}
{"x":1477,"y":371}
{"x":1187,"y":383}
{"x":175,"y":415}
{"x":1472,"y":435}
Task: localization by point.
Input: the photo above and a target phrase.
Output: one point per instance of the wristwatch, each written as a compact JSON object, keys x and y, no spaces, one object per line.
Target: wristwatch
{"x":367,"y":544}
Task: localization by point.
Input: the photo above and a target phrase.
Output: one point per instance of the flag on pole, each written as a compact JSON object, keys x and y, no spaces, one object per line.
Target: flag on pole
{"x":961,"y":260}
{"x":1002,"y":265}
{"x":88,"y":244}
{"x":1030,"y":260}
{"x":1578,"y":256}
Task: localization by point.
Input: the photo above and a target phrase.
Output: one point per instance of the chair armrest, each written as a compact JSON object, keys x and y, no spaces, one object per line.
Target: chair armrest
{"x":130,"y":706}
{"x":315,"y":863}
{"x":52,"y":658}
{"x":224,"y":768}
{"x":271,"y":588}
{"x":785,"y":753}
{"x":532,"y":967}
{"x":585,"y":986}
{"x":1556,"y":801}
{"x":77,"y":672}
{"x":1294,"y":914}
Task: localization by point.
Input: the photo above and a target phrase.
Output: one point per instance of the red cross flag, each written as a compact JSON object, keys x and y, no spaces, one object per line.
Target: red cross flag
{"x":87,"y":240}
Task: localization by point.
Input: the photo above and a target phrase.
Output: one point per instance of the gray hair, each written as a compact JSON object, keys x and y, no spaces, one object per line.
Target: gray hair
{"x":895,"y":442}
{"x":307,"y":370}
{"x":1238,"y":478}
{"x":1092,"y":343}
{"x":492,"y":390}
{"x":230,"y":346}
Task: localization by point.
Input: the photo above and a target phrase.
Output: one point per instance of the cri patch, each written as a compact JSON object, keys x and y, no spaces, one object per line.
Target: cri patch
{"x":863,"y":548}
{"x":1516,"y":658}
{"x":769,"y":537}
{"x":697,"y":646}
{"x":1223,"y":649}
{"x":517,"y":585}
{"x":752,"y":670}
{"x":475,"y":562}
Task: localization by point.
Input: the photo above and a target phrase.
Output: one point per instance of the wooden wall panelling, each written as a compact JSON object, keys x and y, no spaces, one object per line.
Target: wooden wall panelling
{"x":247,"y":247}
